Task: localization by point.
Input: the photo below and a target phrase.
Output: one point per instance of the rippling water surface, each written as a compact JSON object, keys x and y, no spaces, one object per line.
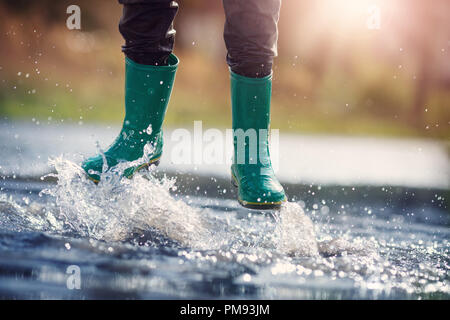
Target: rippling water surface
{"x":143,"y":238}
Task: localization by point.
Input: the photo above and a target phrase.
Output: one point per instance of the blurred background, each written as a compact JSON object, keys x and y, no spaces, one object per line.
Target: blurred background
{"x":353,"y":67}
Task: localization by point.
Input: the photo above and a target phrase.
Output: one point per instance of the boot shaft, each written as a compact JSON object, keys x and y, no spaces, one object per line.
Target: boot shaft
{"x":147,"y":93}
{"x":250,"y":100}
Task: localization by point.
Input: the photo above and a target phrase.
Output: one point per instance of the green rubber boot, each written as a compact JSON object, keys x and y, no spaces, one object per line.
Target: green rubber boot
{"x":147,"y":93}
{"x":251,"y":171}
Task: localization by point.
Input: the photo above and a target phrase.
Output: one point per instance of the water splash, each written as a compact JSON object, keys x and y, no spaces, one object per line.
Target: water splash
{"x":340,"y":246}
{"x":276,"y":249}
{"x":27,"y":216}
{"x":295,"y":231}
{"x":116,"y":207}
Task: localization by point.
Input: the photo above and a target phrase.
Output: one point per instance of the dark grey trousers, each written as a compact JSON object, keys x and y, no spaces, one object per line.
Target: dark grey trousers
{"x":250,"y":33}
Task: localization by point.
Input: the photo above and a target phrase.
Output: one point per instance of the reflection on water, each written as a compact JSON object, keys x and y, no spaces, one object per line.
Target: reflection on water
{"x":141,"y":238}
{"x":326,"y":160}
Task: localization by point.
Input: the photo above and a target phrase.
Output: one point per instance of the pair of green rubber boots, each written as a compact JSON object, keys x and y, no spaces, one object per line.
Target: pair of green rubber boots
{"x":140,"y":142}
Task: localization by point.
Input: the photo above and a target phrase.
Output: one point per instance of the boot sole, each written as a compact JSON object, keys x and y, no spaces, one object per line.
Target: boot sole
{"x":154,"y":162}
{"x":256,"y":205}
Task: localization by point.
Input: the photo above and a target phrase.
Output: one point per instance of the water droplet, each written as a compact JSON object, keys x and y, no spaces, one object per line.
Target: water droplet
{"x":246,"y":277}
{"x":149,"y":129}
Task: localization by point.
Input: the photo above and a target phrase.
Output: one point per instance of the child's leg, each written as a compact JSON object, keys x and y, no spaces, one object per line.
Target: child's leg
{"x":251,"y":35}
{"x":149,"y":75}
{"x":251,"y":39}
{"x":147,"y":27}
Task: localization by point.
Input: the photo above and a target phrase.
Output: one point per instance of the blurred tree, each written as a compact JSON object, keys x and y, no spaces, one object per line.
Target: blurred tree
{"x":424,"y":27}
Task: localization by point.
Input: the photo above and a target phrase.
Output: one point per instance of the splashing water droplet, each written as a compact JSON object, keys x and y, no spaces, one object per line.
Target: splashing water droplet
{"x":149,"y":129}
